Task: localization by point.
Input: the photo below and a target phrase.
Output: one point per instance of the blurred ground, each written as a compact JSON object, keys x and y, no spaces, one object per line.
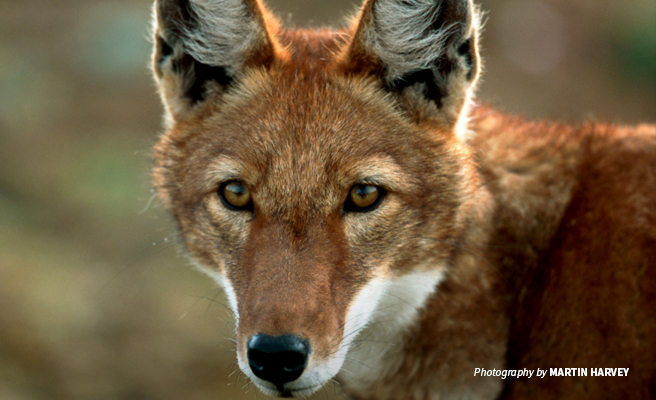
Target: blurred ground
{"x":95,"y":300}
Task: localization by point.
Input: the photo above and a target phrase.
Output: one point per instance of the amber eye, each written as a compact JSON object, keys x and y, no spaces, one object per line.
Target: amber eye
{"x":363,"y":198}
{"x":236,"y":196}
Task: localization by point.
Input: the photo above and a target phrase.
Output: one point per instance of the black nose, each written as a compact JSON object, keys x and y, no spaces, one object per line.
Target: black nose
{"x":277,"y":359}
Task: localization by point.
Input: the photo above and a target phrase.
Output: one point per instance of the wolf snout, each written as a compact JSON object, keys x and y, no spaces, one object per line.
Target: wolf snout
{"x":277,"y":359}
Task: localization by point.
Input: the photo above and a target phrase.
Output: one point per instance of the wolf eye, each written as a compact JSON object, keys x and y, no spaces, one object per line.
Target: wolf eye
{"x":363,"y":198}
{"x":236,"y":196}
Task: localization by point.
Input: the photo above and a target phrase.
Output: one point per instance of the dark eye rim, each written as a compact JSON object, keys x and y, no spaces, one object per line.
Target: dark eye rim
{"x":350,"y":207}
{"x":248,"y":207}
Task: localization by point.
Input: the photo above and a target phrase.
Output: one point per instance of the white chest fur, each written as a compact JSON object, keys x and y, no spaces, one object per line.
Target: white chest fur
{"x":392,"y":306}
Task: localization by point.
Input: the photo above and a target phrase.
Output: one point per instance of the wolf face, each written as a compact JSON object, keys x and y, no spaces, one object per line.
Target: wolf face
{"x":320,"y":177}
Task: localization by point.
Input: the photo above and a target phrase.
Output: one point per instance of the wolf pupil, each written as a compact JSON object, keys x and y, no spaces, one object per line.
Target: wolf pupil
{"x":363,"y":198}
{"x":235,"y":196}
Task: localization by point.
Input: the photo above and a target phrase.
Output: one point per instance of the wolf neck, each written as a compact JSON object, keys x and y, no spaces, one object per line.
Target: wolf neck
{"x":531,"y":186}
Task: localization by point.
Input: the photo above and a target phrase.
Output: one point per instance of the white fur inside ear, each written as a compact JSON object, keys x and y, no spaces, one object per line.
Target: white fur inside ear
{"x":403,"y":37}
{"x":222,"y":34}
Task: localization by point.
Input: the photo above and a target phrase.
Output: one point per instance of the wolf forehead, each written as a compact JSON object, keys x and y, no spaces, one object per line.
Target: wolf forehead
{"x":305,"y":133}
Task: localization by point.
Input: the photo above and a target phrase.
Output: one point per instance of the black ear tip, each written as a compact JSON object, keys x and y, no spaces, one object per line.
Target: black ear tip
{"x":464,"y":48}
{"x":425,"y":76}
{"x":466,"y":51}
{"x":165,"y":49}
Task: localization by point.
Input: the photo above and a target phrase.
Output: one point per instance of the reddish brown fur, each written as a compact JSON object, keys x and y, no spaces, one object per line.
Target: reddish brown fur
{"x":580,"y":282}
{"x":548,"y":232}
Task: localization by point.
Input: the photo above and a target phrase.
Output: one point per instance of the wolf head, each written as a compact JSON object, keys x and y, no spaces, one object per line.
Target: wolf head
{"x":322,"y":177}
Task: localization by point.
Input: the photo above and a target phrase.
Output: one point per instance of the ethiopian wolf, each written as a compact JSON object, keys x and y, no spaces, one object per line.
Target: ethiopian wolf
{"x":371,"y":224}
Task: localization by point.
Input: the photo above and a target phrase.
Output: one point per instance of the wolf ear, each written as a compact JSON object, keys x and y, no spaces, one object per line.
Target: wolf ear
{"x":201,"y":46}
{"x":430,"y":46}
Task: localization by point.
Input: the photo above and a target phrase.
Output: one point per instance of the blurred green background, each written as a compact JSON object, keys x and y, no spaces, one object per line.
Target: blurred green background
{"x":96,"y":301}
